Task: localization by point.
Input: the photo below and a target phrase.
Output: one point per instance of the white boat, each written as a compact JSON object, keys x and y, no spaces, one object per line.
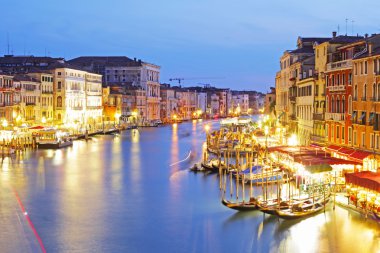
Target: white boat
{"x":53,"y":139}
{"x":7,"y":151}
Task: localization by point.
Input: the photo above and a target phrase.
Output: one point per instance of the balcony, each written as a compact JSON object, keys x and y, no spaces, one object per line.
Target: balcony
{"x":30,"y":103}
{"x":334,"y":116}
{"x":339,"y":65}
{"x":47,"y":92}
{"x":318,"y":116}
{"x":292,"y":99}
{"x":336,"y":88}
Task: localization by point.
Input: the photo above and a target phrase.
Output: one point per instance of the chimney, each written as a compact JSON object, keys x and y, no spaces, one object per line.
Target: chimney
{"x":370,"y":47}
{"x":334,"y":34}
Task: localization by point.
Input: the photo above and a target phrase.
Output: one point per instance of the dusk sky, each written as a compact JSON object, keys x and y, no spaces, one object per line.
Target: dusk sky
{"x":235,"y":44}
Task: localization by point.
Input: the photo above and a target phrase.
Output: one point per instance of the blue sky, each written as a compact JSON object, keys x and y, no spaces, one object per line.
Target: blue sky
{"x":238,"y":43}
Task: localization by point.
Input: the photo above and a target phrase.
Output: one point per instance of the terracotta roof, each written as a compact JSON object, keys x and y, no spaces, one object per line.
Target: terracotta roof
{"x":21,"y":77}
{"x":106,"y":61}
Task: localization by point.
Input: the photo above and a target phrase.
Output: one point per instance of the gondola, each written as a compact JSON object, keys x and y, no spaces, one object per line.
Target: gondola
{"x":303,"y":209}
{"x":209,"y":165}
{"x":270,"y":207}
{"x":241,"y":206}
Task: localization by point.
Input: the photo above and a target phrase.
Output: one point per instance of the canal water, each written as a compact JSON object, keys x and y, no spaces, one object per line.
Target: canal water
{"x":134,"y":193}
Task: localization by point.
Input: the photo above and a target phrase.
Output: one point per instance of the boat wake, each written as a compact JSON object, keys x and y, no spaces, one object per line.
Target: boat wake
{"x":187,"y":157}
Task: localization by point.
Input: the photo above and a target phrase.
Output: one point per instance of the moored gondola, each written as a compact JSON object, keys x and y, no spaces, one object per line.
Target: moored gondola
{"x":241,"y":206}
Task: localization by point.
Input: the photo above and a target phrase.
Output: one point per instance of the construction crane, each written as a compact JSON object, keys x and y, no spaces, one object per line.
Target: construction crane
{"x":179,"y":79}
{"x":176,"y":79}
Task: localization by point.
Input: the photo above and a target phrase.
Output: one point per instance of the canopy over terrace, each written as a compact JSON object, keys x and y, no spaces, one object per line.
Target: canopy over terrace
{"x":312,"y":160}
{"x":366,"y":179}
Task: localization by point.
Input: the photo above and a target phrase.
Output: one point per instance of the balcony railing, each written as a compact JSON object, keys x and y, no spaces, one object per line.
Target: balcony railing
{"x":339,"y":65}
{"x":318,"y":116}
{"x":336,"y":88}
{"x":334,"y":116}
{"x":47,"y":92}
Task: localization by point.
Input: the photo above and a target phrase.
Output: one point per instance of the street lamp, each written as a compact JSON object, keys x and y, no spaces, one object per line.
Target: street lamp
{"x":4,"y":123}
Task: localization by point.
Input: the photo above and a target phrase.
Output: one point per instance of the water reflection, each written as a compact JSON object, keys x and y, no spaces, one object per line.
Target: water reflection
{"x":118,"y":194}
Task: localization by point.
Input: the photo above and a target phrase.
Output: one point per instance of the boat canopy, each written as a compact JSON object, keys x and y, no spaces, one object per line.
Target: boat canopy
{"x":366,"y":179}
{"x":230,"y":121}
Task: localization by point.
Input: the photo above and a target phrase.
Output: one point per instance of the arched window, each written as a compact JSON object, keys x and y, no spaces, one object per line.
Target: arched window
{"x":364,"y":92}
{"x":378,"y":92}
{"x":356,"y":92}
{"x":59,"y":101}
{"x":349,"y":104}
{"x":343,"y":104}
{"x":374,"y":91}
{"x":332,"y":104}
{"x":327,"y":104}
{"x":337,"y":109}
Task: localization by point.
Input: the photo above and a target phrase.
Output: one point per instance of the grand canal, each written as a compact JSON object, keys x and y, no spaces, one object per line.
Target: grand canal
{"x":134,"y":193}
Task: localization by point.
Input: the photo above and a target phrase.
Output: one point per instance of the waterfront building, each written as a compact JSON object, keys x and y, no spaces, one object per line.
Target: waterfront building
{"x":287,"y":77}
{"x":202,"y":102}
{"x":338,"y":80}
{"x":169,"y":103}
{"x":214,"y":105}
{"x":30,"y":95}
{"x":240,"y":103}
{"x":366,"y":97}
{"x":94,"y":105}
{"x":7,"y":103}
{"x":70,"y":96}
{"x":270,"y":101}
{"x":121,"y":69}
{"x":186,"y":102}
{"x":47,"y":95}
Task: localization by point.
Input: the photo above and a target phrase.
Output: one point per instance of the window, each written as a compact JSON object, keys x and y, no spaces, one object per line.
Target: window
{"x":365,"y":67}
{"x":343,"y":104}
{"x":337,"y":132}
{"x":377,"y":142}
{"x":361,"y":68}
{"x":332,"y":132}
{"x":59,"y":101}
{"x":372,"y":141}
{"x":343,"y":133}
{"x":355,"y":138}
{"x":349,"y":79}
{"x":59,"y":85}
{"x":332,"y":104}
{"x":356,"y":69}
{"x":356,"y":93}
{"x":59,"y":73}
{"x":343,"y":79}
{"x":364,"y":92}
{"x":373,"y":91}
{"x":349,"y":134}
{"x":363,"y":139}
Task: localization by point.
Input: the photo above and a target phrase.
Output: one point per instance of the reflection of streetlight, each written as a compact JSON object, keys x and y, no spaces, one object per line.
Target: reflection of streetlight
{"x":43,"y":120}
{"x":117,"y":117}
{"x":207,"y":128}
{"x":4,"y":123}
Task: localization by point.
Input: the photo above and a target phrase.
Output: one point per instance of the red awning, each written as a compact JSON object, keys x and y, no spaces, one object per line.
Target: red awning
{"x":37,"y":127}
{"x":360,"y":155}
{"x":334,"y":147}
{"x":346,"y":151}
{"x":366,"y":179}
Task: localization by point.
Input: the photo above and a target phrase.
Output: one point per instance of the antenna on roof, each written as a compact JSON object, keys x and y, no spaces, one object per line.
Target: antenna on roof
{"x":346,"y":25}
{"x":8,"y":42}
